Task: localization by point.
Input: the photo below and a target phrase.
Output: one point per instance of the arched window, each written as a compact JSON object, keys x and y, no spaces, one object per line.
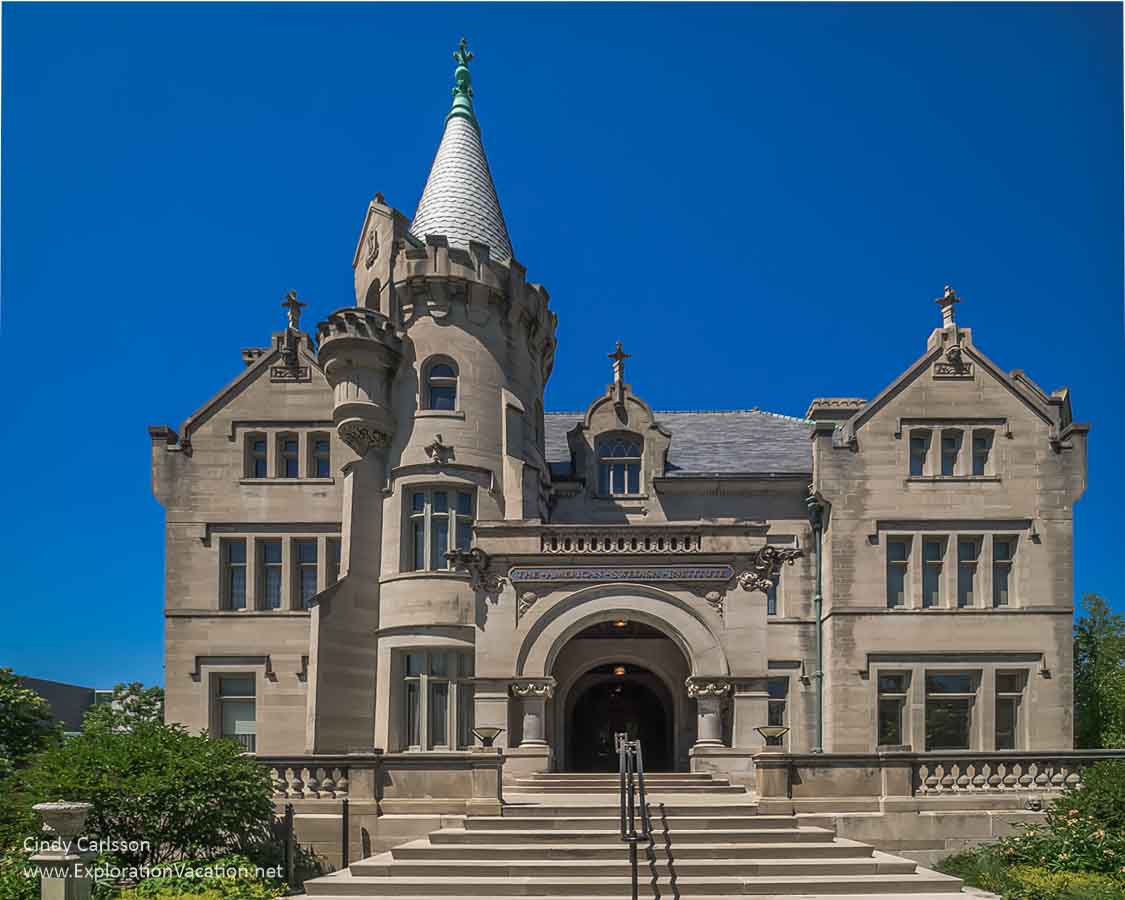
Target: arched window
{"x":619,"y":466}
{"x":441,"y":385}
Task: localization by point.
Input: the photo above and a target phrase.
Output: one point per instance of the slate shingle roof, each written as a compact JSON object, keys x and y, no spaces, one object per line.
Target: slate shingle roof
{"x":734,"y":442}
{"x":459,"y":200}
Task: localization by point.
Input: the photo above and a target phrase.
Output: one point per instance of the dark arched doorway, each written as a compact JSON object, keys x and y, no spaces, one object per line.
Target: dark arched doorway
{"x":616,"y":698}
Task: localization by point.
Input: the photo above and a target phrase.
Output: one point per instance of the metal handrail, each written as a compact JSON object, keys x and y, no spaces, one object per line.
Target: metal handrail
{"x":631,"y":784}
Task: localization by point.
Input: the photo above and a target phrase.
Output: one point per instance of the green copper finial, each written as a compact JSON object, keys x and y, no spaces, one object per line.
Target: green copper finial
{"x":462,"y":85}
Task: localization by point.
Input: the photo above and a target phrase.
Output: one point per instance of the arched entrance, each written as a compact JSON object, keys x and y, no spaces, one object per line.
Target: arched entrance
{"x":613,"y":698}
{"x":621,"y":675}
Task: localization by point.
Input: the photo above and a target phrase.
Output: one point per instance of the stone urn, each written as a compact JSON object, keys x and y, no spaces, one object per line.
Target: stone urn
{"x":63,"y":817}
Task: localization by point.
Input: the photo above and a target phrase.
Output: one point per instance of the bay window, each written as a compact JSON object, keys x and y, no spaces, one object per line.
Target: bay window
{"x":440,"y":520}
{"x":437,"y":699}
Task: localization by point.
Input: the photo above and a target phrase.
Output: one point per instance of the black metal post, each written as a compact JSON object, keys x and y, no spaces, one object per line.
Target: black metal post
{"x":344,"y":833}
{"x":290,"y":854}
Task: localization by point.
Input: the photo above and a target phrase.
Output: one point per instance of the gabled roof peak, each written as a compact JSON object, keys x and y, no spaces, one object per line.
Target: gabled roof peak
{"x":459,"y":201}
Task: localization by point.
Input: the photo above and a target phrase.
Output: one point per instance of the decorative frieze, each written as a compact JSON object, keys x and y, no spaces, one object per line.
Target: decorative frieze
{"x":702,"y":686}
{"x":643,"y":574}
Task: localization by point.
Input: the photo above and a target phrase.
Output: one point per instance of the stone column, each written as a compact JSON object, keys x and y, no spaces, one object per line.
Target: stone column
{"x":60,"y":855}
{"x":534,"y":696}
{"x":708,"y":694}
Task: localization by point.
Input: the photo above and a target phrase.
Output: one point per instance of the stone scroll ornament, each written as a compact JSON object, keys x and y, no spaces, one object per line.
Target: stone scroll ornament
{"x":476,"y":562}
{"x":543,"y":689}
{"x":765,"y":566}
{"x":706,"y":688}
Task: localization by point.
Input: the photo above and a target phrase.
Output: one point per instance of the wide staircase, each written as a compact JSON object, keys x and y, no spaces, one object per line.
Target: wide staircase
{"x":559,"y":837}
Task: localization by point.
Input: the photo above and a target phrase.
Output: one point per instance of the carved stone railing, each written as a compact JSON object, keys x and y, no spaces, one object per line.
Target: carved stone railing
{"x":308,"y":779}
{"x":904,"y":774}
{"x":938,"y":774}
{"x":616,"y":540}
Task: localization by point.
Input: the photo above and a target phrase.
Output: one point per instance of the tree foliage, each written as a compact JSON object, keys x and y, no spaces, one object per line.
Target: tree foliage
{"x":1099,"y":676}
{"x":182,"y":795}
{"x":131,"y":704}
{"x":26,"y":722}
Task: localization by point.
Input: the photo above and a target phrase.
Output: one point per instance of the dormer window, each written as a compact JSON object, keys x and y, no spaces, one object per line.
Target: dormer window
{"x":441,"y":385}
{"x":619,"y":466}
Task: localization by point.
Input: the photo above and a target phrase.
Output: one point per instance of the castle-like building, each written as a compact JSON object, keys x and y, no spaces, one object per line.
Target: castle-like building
{"x":378,"y":538}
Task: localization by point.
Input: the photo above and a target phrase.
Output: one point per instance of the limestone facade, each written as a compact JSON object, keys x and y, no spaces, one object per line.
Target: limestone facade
{"x":376,"y":537}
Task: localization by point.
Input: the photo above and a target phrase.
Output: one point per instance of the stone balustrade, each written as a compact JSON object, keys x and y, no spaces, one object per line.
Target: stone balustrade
{"x":631,"y":540}
{"x":309,"y":782}
{"x":816,"y":777}
{"x":994,"y":773}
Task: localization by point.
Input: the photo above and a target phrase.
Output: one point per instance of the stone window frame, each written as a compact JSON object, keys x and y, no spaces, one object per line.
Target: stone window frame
{"x":935,"y":431}
{"x":252,"y":455}
{"x":975,"y":723}
{"x":773,"y":597}
{"x":300,"y":568}
{"x":425,"y":516}
{"x":227,"y":568}
{"x":950,"y":565}
{"x":936,"y":564}
{"x":216,"y":700}
{"x":290,"y":588}
{"x":428,"y":381}
{"x":900,"y":698}
{"x":284,"y":455}
{"x":950,"y":461}
{"x":273,"y":433}
{"x":460,"y":680}
{"x":966,"y":565}
{"x":987,"y":665}
{"x":313,"y":455}
{"x":609,"y":437}
{"x":1016,"y":698}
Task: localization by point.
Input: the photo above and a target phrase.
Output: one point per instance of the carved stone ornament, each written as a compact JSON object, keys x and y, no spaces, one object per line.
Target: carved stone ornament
{"x":766,"y":565}
{"x":540,"y":689}
{"x":707,"y":687}
{"x":439,"y":451}
{"x":715,"y":598}
{"x":362,"y":438}
{"x":476,"y":562}
{"x":526,"y":601}
{"x":372,"y":247}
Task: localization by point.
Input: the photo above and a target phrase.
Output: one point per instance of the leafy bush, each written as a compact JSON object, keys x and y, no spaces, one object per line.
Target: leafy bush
{"x":228,"y":878}
{"x":14,"y":883}
{"x":1028,"y":883}
{"x":1101,"y":796}
{"x":26,"y":722}
{"x":184,"y":796}
{"x":978,"y":868}
{"x":131,"y":704}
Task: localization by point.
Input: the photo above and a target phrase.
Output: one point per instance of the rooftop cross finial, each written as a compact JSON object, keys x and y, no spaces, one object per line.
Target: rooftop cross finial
{"x":619,"y":356}
{"x":947,"y":301}
{"x":462,"y":84}
{"x":293,"y":308}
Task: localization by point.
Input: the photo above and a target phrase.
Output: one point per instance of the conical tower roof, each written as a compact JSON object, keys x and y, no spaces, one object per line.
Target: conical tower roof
{"x":459,"y":200}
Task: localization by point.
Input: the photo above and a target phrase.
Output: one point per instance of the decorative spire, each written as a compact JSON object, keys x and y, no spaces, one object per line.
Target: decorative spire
{"x":459,"y":201}
{"x":947,"y":301}
{"x":293,"y":308}
{"x":463,"y":85}
{"x":619,"y":356}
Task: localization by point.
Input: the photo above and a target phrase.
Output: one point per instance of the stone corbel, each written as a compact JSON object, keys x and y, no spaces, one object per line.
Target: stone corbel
{"x":765,"y":567}
{"x":541,"y":688}
{"x":707,"y":686}
{"x":362,"y":437}
{"x":476,"y":562}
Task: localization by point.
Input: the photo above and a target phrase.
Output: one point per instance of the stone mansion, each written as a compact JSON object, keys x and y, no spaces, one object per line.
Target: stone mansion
{"x":376,"y":537}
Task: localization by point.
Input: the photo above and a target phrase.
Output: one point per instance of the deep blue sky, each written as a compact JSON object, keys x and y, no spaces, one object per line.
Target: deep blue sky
{"x":761,"y":201}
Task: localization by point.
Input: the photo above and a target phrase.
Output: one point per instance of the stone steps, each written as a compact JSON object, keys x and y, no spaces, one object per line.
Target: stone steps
{"x":701,"y":847}
{"x":683,"y":822}
{"x":386,"y":865}
{"x":891,"y":885}
{"x":424,"y":849}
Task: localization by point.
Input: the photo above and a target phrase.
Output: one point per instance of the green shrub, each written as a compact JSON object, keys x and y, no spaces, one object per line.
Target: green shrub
{"x":1028,"y":883}
{"x":185,"y":796}
{"x":14,"y":883}
{"x":229,"y":878}
{"x":977,"y":868}
{"x":1101,"y":796}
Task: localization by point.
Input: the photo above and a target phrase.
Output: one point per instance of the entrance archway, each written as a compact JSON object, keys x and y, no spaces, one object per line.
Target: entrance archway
{"x":613,"y":698}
